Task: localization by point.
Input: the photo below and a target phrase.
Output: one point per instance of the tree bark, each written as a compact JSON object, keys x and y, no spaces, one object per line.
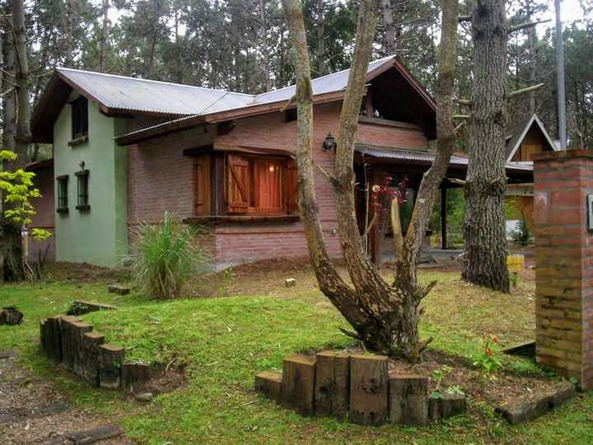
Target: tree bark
{"x":23,"y":132}
{"x":484,"y":227}
{"x":385,"y":317}
{"x":389,"y":26}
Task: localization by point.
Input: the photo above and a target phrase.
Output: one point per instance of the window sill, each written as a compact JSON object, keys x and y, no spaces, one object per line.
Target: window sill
{"x":62,"y":211}
{"x":79,"y":140}
{"x":83,"y":208}
{"x":243,"y":219}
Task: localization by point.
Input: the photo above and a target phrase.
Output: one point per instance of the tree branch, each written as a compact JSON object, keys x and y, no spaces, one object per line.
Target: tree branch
{"x":525,"y":90}
{"x":464,"y":18}
{"x":526,"y":25}
{"x":396,"y":225}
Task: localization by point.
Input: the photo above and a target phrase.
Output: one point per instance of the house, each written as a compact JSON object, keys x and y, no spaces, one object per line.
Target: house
{"x":525,"y":139}
{"x":126,"y":150}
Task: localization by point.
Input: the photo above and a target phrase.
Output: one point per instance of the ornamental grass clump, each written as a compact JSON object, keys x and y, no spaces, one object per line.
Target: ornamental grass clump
{"x":167,"y":255}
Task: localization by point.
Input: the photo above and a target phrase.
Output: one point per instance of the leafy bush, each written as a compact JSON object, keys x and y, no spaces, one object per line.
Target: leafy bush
{"x":166,"y":255}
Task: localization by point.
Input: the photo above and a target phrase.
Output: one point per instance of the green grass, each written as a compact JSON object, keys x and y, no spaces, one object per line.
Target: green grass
{"x":225,"y":342}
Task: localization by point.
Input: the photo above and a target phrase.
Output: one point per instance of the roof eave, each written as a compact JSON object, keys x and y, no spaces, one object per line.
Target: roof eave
{"x":238,"y":113}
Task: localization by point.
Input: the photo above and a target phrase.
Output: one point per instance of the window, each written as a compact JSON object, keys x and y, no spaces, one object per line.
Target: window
{"x":62,"y":194}
{"x":260,"y":185}
{"x":82,"y":202}
{"x":80,"y":118}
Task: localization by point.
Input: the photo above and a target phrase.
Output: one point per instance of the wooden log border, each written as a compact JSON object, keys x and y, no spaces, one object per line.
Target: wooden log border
{"x":355,"y":387}
{"x":69,"y":341}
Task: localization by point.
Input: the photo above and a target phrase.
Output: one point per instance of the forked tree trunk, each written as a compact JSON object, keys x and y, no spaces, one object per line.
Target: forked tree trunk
{"x":484,"y":227}
{"x":385,"y":317}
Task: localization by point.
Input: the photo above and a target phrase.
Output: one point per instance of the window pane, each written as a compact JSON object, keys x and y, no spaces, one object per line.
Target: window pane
{"x":268,"y":196}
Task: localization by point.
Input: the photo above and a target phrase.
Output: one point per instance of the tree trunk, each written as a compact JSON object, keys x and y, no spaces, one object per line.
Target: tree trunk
{"x":405,"y":265}
{"x":104,"y":26}
{"x":69,"y":38}
{"x":320,"y":56}
{"x":265,"y":46}
{"x":484,"y":227}
{"x":389,"y":44}
{"x":18,"y":134}
{"x":385,"y":318}
{"x":23,"y":132}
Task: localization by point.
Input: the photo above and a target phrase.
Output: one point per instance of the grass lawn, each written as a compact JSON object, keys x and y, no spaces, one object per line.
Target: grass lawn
{"x":224,"y":342}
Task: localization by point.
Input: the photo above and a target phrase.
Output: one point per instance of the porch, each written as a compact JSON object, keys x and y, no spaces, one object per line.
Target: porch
{"x":374,"y":164}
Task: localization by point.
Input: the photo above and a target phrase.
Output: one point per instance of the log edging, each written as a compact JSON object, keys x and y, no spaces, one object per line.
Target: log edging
{"x":69,"y":341}
{"x":355,"y":386}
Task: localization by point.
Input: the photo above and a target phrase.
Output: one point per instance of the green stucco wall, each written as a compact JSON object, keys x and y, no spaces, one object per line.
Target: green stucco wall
{"x":97,"y":236}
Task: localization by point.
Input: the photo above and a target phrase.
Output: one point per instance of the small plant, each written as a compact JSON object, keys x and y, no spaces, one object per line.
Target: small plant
{"x":488,"y":360}
{"x":514,"y":279}
{"x":166,"y":255}
{"x":455,"y":390}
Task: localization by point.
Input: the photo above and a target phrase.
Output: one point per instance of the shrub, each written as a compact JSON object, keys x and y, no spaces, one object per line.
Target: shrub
{"x":166,"y":255}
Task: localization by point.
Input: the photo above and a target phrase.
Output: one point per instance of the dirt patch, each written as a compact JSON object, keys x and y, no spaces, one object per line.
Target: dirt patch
{"x":459,"y":374}
{"x":32,"y":411}
{"x":161,"y":382}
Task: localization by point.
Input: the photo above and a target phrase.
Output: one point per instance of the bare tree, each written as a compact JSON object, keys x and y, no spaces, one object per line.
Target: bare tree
{"x":384,"y":316}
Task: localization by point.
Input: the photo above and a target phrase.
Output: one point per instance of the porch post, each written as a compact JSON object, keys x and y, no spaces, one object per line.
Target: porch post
{"x":443,"y":217}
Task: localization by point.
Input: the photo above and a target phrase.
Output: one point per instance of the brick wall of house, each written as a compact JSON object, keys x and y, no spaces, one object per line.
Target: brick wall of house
{"x":160,"y":178}
{"x":46,"y":214}
{"x":564,"y":263}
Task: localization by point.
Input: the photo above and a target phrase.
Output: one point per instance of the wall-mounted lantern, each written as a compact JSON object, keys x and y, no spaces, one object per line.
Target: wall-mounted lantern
{"x":329,"y":143}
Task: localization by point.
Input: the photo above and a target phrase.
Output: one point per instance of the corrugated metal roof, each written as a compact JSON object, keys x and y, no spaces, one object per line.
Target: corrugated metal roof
{"x":423,"y":158}
{"x":321,"y":85}
{"x":133,"y":94}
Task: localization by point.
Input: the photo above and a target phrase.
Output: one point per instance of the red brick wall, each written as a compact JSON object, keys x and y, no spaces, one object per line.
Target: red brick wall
{"x":46,"y":214}
{"x":160,"y":179}
{"x":564,"y":263}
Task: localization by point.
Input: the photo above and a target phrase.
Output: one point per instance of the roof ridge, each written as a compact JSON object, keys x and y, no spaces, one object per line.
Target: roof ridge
{"x":161,"y":82}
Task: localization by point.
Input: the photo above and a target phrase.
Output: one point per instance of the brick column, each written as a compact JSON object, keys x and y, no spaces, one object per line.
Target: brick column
{"x":564,"y":263}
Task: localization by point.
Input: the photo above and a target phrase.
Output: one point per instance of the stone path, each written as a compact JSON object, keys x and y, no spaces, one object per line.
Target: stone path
{"x":32,"y":411}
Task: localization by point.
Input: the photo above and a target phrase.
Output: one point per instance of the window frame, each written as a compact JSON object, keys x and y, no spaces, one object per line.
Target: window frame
{"x":82,"y":198}
{"x":62,"y":194}
{"x":252,"y":181}
{"x":80,"y":118}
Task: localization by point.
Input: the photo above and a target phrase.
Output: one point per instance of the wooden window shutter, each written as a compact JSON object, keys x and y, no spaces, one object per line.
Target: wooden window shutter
{"x":238,"y":184}
{"x":203,"y":195}
{"x":291,"y":187}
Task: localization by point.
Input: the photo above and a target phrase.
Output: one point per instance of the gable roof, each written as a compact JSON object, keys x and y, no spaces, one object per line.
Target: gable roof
{"x":120,"y":95}
{"x":519,"y":131}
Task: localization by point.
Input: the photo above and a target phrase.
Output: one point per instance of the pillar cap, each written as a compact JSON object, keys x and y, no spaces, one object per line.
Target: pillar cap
{"x":563,"y":154}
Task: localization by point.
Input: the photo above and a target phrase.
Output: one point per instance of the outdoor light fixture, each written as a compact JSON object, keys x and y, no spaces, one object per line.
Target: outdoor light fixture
{"x":330,"y":143}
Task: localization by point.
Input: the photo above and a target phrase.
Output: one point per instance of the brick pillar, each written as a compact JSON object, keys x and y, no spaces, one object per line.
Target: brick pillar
{"x":564,"y":263}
